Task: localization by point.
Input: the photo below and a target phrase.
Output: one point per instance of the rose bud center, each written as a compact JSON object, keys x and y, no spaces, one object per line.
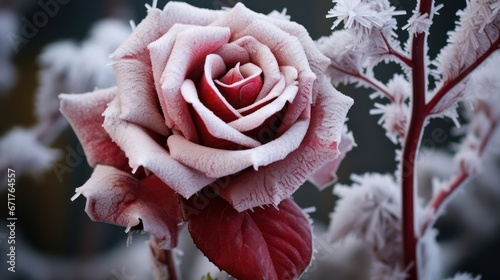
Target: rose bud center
{"x":241,"y":85}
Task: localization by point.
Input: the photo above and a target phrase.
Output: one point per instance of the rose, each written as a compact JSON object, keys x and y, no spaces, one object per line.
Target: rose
{"x":205,"y":94}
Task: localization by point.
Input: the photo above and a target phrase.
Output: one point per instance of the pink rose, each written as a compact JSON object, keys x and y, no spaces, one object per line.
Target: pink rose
{"x":203,"y":95}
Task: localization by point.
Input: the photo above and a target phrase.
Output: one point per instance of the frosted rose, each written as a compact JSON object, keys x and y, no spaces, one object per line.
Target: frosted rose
{"x":205,"y":94}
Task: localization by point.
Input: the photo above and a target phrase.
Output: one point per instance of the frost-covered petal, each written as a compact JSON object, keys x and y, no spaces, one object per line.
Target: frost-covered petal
{"x":118,"y":198}
{"x":133,"y":55}
{"x":209,"y":95}
{"x":84,"y":113}
{"x":215,"y":126}
{"x":189,"y":52}
{"x":277,"y":181}
{"x":327,"y":174}
{"x":142,"y":150}
{"x":220,"y":163}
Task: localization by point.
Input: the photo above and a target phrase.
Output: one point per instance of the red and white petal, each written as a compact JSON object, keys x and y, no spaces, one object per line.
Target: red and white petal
{"x":159,"y":52}
{"x":209,"y":94}
{"x":241,"y":84}
{"x":158,"y":22}
{"x":84,"y":113}
{"x":232,"y":53}
{"x":263,"y":57}
{"x":255,"y":119}
{"x":189,"y":52}
{"x":220,"y":163}
{"x":215,"y":126}
{"x":317,"y":60}
{"x":118,"y":198}
{"x":277,"y":181}
{"x":133,"y":74}
{"x":138,"y":99}
{"x":142,"y":150}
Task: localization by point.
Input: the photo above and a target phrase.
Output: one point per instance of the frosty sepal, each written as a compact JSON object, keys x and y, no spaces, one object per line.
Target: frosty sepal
{"x":267,"y":243}
{"x":118,"y":198}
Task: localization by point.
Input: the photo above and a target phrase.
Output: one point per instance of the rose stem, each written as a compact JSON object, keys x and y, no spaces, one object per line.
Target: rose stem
{"x":164,"y":262}
{"x":411,"y":145}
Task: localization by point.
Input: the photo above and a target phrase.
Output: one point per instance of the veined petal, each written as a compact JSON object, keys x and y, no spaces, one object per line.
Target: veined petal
{"x":209,"y":95}
{"x":261,"y":56}
{"x":84,"y":113}
{"x":189,"y":52}
{"x":118,"y":198}
{"x":215,"y":126}
{"x":142,"y":150}
{"x":220,"y":163}
{"x":255,"y":119}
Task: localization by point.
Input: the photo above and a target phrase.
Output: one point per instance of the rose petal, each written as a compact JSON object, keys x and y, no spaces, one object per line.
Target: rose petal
{"x":241,"y":85}
{"x":277,"y":181}
{"x":317,"y":60}
{"x":327,"y":174}
{"x":190,"y":50}
{"x":219,"y":163}
{"x":159,"y":22}
{"x":215,"y":126}
{"x":159,"y":52}
{"x":209,"y":94}
{"x":261,"y":56}
{"x":84,"y":113}
{"x":276,"y":91}
{"x":232,"y":53}
{"x":142,"y":150}
{"x":118,"y":198}
{"x":133,"y":55}
{"x":255,"y":119}
{"x":287,"y":49}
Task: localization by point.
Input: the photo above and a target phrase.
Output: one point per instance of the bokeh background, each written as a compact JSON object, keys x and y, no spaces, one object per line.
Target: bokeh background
{"x":53,"y":233}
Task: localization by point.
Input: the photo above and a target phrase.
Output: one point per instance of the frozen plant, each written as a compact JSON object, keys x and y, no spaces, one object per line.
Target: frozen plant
{"x":466,"y":70}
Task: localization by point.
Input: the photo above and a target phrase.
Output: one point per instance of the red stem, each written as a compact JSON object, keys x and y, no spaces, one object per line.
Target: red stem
{"x":401,"y":56}
{"x":411,"y":147}
{"x":373,"y":84}
{"x":164,"y":262}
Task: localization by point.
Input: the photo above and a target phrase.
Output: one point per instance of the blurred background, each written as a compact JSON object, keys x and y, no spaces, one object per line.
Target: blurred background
{"x":55,"y":239}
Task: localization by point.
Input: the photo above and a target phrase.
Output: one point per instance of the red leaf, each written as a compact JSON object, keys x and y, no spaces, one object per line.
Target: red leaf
{"x":264,"y":244}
